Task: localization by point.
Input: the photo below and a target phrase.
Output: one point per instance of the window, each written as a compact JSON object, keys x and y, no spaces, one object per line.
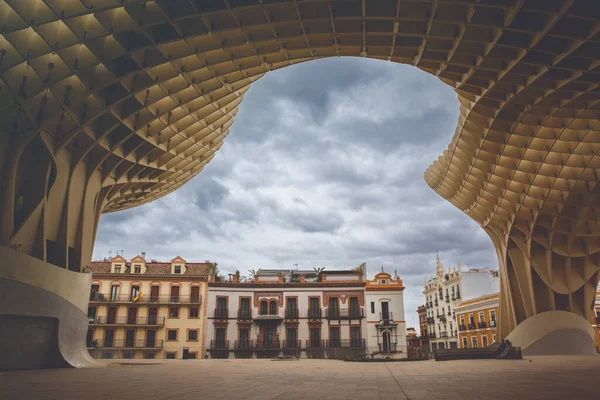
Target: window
{"x":244,"y":339}
{"x":148,"y":355}
{"x":372,"y":307}
{"x":170,"y":356}
{"x":291,"y":310}
{"x":94,"y":292}
{"x":493,"y":337}
{"x":493,"y":317}
{"x":292,"y":337}
{"x":174,"y":312}
{"x":135,"y":290}
{"x":171,"y":334}
{"x":194,"y":312}
{"x":481,"y":317}
{"x":117,"y":269}
{"x":193,"y":335}
{"x":114,"y":292}
{"x":474,"y":341}
{"x":264,"y":308}
{"x":273,"y":307}
{"x":471,"y":319}
{"x":177,"y":269}
{"x":465,"y":343}
{"x":137,"y":269}
{"x":354,"y":308}
{"x":192,"y":356}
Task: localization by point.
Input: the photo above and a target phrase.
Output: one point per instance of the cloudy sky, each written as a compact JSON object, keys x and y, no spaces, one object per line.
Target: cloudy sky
{"x":323,"y":167}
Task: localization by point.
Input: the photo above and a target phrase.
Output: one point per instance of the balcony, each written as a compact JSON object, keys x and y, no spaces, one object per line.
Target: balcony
{"x":145,"y":298}
{"x":125,"y":344}
{"x":242,"y":314}
{"x":492,"y":323}
{"x":315,"y":344}
{"x":144,"y":321}
{"x":436,"y":303}
{"x":291,"y":313}
{"x":472,"y":325}
{"x":462,"y":327}
{"x":221,"y":313}
{"x":457,"y":296}
{"x":292,"y":344}
{"x":482,"y":324}
{"x":344,"y":343}
{"x":346,"y":313}
{"x":219,"y":345}
{"x":267,"y":345}
{"x":432,"y":335}
{"x":314,"y":313}
{"x":386,"y":320}
{"x":447,"y":299}
{"x":244,"y":345}
{"x":449,"y":313}
{"x":443,"y":334}
{"x":431,"y":320}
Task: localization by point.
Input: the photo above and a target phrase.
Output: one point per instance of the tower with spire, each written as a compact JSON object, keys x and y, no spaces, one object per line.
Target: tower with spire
{"x":439,"y":268}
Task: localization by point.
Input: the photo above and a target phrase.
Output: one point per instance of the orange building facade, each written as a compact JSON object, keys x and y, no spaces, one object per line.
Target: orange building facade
{"x":477,"y":321}
{"x":596,"y":325}
{"x":422,"y":311}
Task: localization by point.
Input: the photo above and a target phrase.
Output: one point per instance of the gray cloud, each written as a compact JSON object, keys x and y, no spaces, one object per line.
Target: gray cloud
{"x":323,"y":167}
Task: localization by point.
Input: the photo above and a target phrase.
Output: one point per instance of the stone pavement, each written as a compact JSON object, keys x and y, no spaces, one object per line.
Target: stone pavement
{"x":550,"y":377}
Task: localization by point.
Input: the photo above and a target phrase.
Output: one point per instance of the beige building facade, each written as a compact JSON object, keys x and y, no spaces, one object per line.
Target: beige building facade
{"x":141,"y":309}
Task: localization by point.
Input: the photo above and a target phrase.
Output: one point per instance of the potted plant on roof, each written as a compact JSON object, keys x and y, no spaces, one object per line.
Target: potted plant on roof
{"x":319,"y":273}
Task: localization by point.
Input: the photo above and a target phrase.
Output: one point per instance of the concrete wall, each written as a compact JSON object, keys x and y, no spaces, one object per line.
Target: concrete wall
{"x":46,"y":304}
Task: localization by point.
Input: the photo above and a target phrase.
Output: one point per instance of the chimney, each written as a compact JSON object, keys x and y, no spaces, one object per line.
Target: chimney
{"x":302,"y":279}
{"x":234,"y":278}
{"x":144,"y":255}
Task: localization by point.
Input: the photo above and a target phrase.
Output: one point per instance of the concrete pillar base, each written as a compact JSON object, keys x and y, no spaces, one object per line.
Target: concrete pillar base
{"x":554,"y":333}
{"x":43,"y":314}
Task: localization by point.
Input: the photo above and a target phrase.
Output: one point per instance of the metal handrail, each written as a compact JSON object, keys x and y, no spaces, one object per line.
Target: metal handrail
{"x":346,"y":312}
{"x":144,"y":298}
{"x":345,"y":343}
{"x":126,"y":344}
{"x":106,"y":320}
{"x":315,"y":344}
{"x":222,"y":313}
{"x":219,"y":344}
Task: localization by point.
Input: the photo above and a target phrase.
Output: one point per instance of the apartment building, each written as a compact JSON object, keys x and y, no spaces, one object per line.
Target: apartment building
{"x":141,"y":309}
{"x":444,"y":291}
{"x":301,"y":313}
{"x":477,"y":321}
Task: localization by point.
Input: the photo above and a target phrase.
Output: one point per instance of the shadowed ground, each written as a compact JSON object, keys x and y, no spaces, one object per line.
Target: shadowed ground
{"x":549,"y":377}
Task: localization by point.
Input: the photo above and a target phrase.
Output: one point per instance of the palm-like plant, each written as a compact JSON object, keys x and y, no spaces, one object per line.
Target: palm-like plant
{"x":319,"y":273}
{"x":255,"y":272}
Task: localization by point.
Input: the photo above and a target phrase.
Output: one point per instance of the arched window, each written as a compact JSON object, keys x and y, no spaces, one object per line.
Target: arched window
{"x":273,"y":307}
{"x":264,"y":308}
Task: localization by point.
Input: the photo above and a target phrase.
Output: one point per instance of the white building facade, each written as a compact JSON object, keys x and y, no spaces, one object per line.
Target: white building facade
{"x":302,"y":314}
{"x":445,"y":290}
{"x":386,"y":324}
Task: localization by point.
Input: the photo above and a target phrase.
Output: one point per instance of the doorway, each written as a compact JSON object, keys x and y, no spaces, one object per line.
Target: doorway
{"x":112,"y":315}
{"x":132,"y":316}
{"x":150,"y":338}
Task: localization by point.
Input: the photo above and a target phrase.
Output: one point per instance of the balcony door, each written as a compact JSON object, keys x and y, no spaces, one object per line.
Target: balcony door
{"x":114,"y":292}
{"x":174,"y":294}
{"x":112,"y":315}
{"x":154,"y":293}
{"x":334,"y":307}
{"x":195,"y":294}
{"x":354,"y":309}
{"x":244,"y":338}
{"x":314,"y":310}
{"x":385,"y":310}
{"x":355,"y":336}
{"x":150,"y":338}
{"x":109,"y":338}
{"x":334,"y":337}
{"x":135,"y":290}
{"x":132,"y":315}
{"x":220,"y":338}
{"x":315,"y":337}
{"x":129,"y":338}
{"x":152,"y":314}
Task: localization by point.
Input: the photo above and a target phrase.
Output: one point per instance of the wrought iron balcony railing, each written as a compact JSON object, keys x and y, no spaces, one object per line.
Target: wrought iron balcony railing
{"x":291,"y":313}
{"x":244,"y":345}
{"x":472,"y":325}
{"x":267,"y":344}
{"x":345,"y":343}
{"x":221,"y":313}
{"x":314,"y":313}
{"x":447,"y":299}
{"x":292,"y":344}
{"x":462,"y":327}
{"x":482,"y":324}
{"x":219,"y":344}
{"x":243,"y":314}
{"x":146,"y":321}
{"x":144,"y":298}
{"x":315,"y":344}
{"x":387,"y":348}
{"x":125,"y":344}
{"x":345,"y":313}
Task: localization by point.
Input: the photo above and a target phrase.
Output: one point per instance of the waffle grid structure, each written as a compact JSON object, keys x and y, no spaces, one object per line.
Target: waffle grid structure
{"x":109,"y":104}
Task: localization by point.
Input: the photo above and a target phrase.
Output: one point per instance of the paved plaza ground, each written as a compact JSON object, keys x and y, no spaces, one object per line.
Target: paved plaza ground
{"x":564,"y":377}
